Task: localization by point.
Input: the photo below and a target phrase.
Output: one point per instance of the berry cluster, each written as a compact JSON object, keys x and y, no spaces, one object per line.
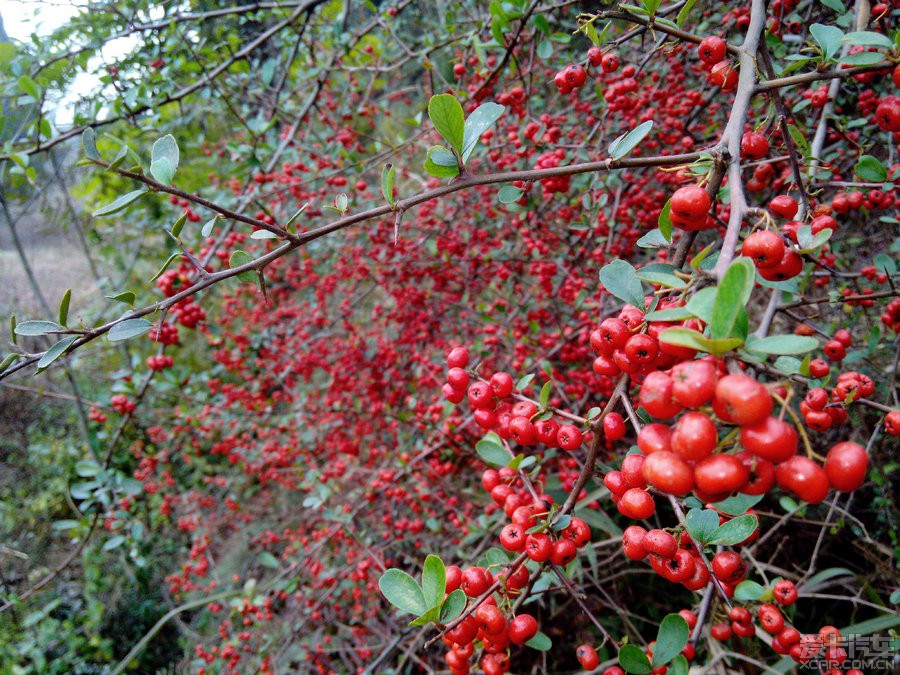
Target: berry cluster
{"x":122,"y":404}
{"x":160,"y":362}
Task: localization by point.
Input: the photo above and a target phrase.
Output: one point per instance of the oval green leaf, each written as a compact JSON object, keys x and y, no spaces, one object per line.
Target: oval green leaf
{"x":446,"y":114}
{"x":128,"y":329}
{"x":734,"y":531}
{"x":402,"y":591}
{"x":37,"y":328}
{"x":670,"y":640}
{"x":55,"y":352}
{"x":434,"y":581}
{"x":620,"y":279}
{"x":633,"y":660}
{"x":120,"y":203}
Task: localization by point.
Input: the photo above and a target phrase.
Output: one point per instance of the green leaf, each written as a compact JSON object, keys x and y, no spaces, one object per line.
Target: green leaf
{"x":37,"y":328}
{"x":164,"y":159}
{"x":290,"y":221}
{"x":64,"y":307}
{"x":684,"y":11}
{"x":701,"y":303}
{"x":89,"y":143}
{"x":679,"y":666}
{"x":491,"y":450}
{"x":30,"y":87}
{"x":685,"y":337}
{"x":481,"y":119}
{"x":172,"y":258}
{"x":836,"y":5}
{"x":734,"y":531}
{"x":799,"y":139}
{"x":633,"y":660}
{"x":9,"y":359}
{"x":402,"y":591}
{"x":876,"y":625}
{"x":210,"y":224}
{"x":179,"y":225}
{"x":671,"y":314}
{"x":120,"y":203}
{"x":658,"y":273}
{"x":885,"y":263}
{"x":509,"y":194}
{"x":239,"y":258}
{"x":127,"y":329}
{"x":387,"y":183}
{"x":453,"y":606}
{"x":788,"y":365}
{"x":819,"y":578}
{"x":545,"y":393}
{"x":263,"y":234}
{"x":870,"y":169}
{"x":430,"y":616}
{"x":55,"y":352}
{"x":629,"y":141}
{"x":545,"y":50}
{"x":782,"y":344}
{"x":748,"y":591}
{"x":861,"y":59}
{"x":87,"y":468}
{"x":828,"y":38}
{"x":446,"y":114}
{"x":738,"y":504}
{"x":670,"y":640}
{"x":809,"y":242}
{"x":701,"y":523}
{"x":266,"y":559}
{"x":540,"y":642}
{"x":653,"y":239}
{"x":434,"y":581}
{"x":620,"y":279}
{"x":732,"y":294}
{"x":523,"y":383}
{"x":867,"y":38}
{"x":440,"y":162}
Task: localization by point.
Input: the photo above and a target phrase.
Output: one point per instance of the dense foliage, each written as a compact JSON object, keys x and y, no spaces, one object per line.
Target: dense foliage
{"x":586,"y":311}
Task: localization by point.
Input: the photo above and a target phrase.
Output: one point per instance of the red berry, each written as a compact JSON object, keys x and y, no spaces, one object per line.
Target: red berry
{"x":712,"y":49}
{"x":846,"y":465}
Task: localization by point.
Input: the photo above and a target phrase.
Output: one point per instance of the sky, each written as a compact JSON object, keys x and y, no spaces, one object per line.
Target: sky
{"x":23,"y":17}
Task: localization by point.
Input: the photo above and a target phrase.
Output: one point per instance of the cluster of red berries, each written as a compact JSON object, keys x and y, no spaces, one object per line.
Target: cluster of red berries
{"x":549,"y":160}
{"x":891,"y":315}
{"x":189,"y":313}
{"x":166,"y":334}
{"x":719,"y":71}
{"x":122,"y":404}
{"x":874,"y":199}
{"x":773,"y":260}
{"x":620,"y":348}
{"x":786,"y":639}
{"x":493,"y":413}
{"x":96,"y":415}
{"x":171,"y":282}
{"x":487,"y":623}
{"x":573,"y":77}
{"x":679,"y":458}
{"x":674,"y":559}
{"x":160,"y":362}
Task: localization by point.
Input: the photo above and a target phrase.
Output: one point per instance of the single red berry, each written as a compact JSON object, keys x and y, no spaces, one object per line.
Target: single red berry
{"x":711,"y":50}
